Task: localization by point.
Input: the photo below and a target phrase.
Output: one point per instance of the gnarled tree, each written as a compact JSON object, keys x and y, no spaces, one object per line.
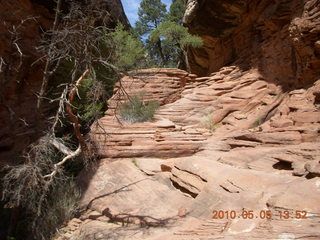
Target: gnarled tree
{"x":79,"y":48}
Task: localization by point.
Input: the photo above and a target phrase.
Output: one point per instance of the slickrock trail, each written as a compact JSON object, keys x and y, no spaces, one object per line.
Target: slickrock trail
{"x":162,"y":179}
{"x":243,"y":136}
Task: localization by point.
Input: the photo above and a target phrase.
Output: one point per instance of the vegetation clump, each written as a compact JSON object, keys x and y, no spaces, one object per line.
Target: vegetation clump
{"x":136,"y":110}
{"x":128,"y":51}
{"x":166,"y":40}
{"x":62,"y":205}
{"x":258,"y":122}
{"x":208,"y":123}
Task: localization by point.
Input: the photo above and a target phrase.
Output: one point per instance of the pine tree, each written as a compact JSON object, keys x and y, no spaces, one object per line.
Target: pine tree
{"x":176,"y":40}
{"x":166,"y":40}
{"x":128,"y":51}
{"x":176,"y":11}
{"x":151,"y":13}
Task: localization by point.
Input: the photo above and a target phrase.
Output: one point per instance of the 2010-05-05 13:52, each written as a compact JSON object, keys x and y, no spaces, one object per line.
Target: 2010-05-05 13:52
{"x":262,"y":214}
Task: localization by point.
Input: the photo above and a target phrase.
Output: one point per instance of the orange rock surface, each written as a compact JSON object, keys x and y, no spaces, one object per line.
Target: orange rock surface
{"x":162,"y":179}
{"x":245,"y":136}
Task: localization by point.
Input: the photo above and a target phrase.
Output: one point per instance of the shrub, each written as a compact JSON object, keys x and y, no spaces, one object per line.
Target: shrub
{"x":63,"y":204}
{"x":135,"y":110}
{"x":258,"y":122}
{"x":44,"y":206}
{"x":208,"y":123}
{"x":128,"y":51}
{"x":90,"y":103}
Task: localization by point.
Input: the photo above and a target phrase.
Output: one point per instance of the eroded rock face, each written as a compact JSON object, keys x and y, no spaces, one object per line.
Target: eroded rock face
{"x":21,"y":24}
{"x":147,"y":139}
{"x":244,"y":137}
{"x":261,"y":154}
{"x":280,"y":38}
{"x":20,"y":75}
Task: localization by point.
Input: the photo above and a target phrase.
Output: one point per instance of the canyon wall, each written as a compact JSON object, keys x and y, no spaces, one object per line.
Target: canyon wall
{"x":243,"y":136}
{"x":278,"y":37}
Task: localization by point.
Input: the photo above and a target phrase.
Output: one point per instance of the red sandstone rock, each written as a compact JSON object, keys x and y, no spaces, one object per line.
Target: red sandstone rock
{"x":240,"y":166}
{"x":279,"y":38}
{"x":243,"y":138}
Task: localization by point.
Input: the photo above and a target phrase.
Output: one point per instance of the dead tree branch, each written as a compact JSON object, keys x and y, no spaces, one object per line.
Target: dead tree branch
{"x":47,"y":72}
{"x":60,"y":111}
{"x":2,"y":63}
{"x":72,"y":116}
{"x":63,"y":161}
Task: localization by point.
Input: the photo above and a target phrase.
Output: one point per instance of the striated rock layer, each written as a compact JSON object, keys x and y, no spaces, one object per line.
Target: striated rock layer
{"x":280,"y":38}
{"x":245,"y":138}
{"x":164,"y":178}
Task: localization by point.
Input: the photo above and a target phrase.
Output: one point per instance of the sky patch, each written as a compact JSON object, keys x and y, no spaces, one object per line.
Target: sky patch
{"x":131,"y":9}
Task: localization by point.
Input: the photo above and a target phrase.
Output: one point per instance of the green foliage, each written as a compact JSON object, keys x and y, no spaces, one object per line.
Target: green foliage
{"x":208,"y":123}
{"x":128,"y":50}
{"x":63,"y":204}
{"x":125,"y":52}
{"x":135,"y":110}
{"x":177,"y":34}
{"x":91,"y":102}
{"x":118,"y":47}
{"x":258,"y":122}
{"x":151,"y":13}
{"x":175,"y":40}
{"x":166,"y":40}
{"x":176,"y":11}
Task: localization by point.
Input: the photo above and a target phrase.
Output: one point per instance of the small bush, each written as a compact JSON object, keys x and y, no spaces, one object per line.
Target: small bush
{"x":91,"y":101}
{"x":208,"y":123}
{"x":258,"y":122}
{"x":134,"y":161}
{"x":62,"y":205}
{"x":135,"y":110}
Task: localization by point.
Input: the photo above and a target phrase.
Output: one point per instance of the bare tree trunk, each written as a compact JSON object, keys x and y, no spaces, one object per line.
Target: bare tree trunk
{"x":185,"y":53}
{"x":161,"y":52}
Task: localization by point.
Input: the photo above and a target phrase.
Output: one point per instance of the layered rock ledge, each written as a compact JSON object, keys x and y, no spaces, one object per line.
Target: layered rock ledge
{"x":162,"y":179}
{"x":243,"y":135}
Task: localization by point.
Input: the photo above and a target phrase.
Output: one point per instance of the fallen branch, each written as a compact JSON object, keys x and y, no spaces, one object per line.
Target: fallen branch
{"x":60,"y":146}
{"x":65,"y":159}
